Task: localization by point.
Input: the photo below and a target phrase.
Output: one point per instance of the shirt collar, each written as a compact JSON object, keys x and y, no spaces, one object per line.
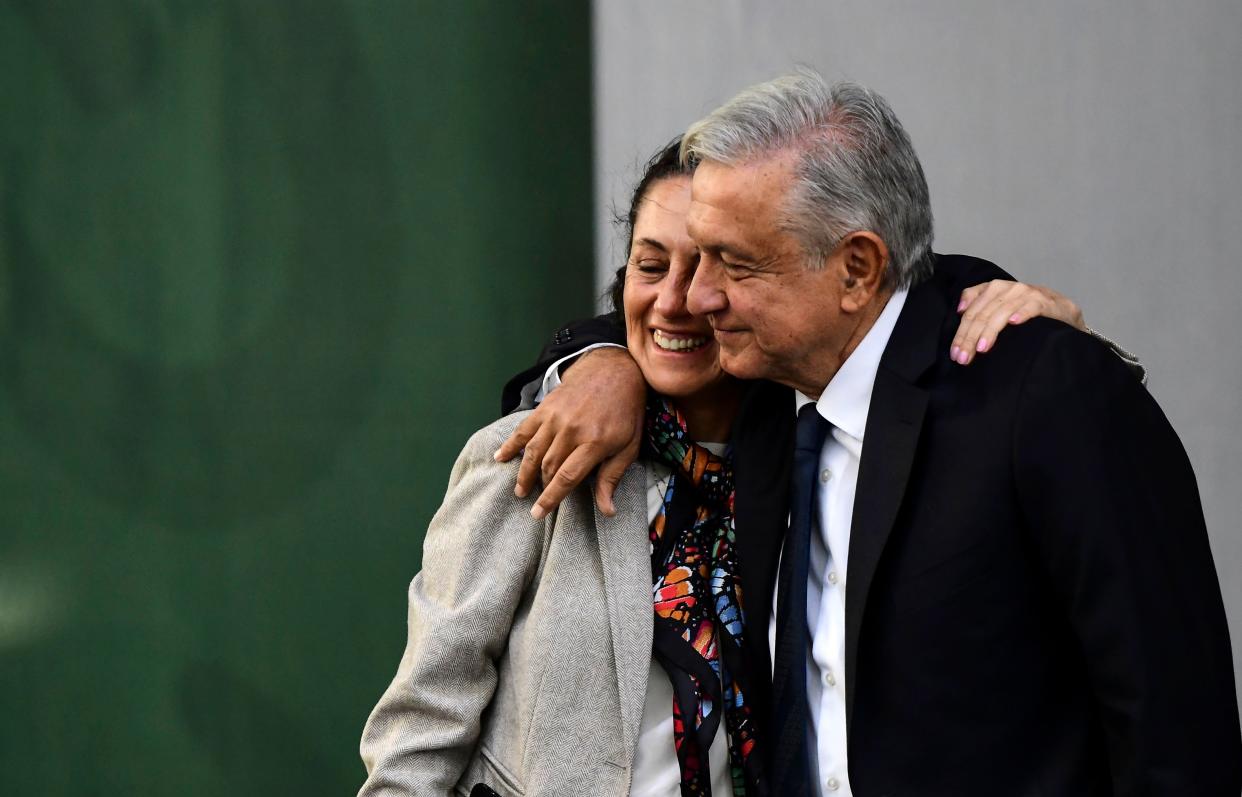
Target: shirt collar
{"x":847,"y":398}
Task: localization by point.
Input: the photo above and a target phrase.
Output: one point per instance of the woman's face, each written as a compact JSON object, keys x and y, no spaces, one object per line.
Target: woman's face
{"x":676,"y":351}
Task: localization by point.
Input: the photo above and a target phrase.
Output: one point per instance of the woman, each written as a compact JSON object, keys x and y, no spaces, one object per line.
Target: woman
{"x":576,"y":654}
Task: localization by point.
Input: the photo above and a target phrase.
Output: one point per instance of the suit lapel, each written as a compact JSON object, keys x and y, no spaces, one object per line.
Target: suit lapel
{"x":626,"y":560}
{"x":894,"y":422}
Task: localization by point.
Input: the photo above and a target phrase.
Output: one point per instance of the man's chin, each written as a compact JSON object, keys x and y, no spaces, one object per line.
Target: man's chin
{"x":740,"y":366}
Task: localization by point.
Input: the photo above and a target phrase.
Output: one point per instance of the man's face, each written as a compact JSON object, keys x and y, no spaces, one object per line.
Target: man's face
{"x":773,"y":317}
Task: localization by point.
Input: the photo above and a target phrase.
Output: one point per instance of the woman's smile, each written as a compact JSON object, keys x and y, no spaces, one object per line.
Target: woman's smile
{"x":679,"y":342}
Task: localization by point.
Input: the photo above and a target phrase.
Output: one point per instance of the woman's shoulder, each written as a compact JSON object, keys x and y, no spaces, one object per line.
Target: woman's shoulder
{"x":485,"y":441}
{"x":478,"y":455}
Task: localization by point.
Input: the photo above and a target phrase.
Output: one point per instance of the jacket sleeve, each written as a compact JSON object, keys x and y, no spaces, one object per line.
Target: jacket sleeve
{"x":1130,"y":359}
{"x":1114,"y":507}
{"x":569,"y":339}
{"x":420,"y":737}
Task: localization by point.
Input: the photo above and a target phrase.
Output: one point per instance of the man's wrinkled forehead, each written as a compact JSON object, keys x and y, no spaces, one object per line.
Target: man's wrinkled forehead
{"x":726,"y":197}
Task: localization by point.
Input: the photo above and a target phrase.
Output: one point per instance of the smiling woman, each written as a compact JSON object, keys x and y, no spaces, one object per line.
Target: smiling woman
{"x":487,"y":620}
{"x":675,"y":351}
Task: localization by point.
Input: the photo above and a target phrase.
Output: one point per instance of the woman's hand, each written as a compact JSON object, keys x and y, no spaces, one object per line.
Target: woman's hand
{"x":989,"y":307}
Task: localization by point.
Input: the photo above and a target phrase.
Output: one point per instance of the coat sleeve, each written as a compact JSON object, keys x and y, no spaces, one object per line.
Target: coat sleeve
{"x":1112,"y":500}
{"x":480,"y":554}
{"x":569,"y":339}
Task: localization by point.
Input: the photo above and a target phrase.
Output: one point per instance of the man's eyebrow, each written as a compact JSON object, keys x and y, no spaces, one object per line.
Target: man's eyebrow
{"x":735,"y":253}
{"x":651,"y":242}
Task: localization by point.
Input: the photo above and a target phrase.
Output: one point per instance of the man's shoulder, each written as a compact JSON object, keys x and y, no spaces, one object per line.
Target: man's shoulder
{"x":1064,"y":359}
{"x":1045,"y":357}
{"x":962,"y":271}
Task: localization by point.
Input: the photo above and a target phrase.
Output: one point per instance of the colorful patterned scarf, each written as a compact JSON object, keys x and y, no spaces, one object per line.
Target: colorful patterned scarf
{"x":698,"y":604}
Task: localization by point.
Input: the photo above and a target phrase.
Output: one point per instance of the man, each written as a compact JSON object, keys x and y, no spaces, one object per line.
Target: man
{"x":991,"y":581}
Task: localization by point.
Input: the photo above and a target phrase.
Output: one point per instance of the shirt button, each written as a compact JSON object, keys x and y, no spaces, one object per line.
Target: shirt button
{"x":825,"y":475}
{"x":830,"y":678}
{"x":832,"y":576}
{"x":832,"y":784}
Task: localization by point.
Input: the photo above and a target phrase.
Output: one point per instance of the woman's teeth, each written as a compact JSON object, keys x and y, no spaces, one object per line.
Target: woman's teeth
{"x":676,"y":344}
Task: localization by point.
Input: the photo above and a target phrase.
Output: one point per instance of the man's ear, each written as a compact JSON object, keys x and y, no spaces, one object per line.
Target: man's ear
{"x":863,"y":261}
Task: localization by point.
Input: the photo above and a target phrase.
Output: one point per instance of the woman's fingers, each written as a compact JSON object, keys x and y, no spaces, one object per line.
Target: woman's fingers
{"x":978,"y":327}
{"x":988,"y":308}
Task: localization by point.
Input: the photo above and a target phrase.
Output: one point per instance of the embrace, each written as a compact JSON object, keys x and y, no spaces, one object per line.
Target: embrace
{"x":839,"y":539}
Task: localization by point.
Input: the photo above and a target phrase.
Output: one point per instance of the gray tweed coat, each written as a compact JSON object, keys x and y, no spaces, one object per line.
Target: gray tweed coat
{"x":529,"y":643}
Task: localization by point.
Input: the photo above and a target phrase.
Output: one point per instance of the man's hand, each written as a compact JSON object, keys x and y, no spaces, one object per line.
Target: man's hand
{"x":595,"y":418}
{"x":988,"y":308}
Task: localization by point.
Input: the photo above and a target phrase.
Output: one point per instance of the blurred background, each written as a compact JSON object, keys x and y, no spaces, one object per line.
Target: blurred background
{"x":264,"y":266}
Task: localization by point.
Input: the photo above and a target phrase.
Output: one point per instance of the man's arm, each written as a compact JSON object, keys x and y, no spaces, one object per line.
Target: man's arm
{"x":480,"y":554}
{"x":595,"y":419}
{"x":1115,"y":514}
{"x":566,"y":341}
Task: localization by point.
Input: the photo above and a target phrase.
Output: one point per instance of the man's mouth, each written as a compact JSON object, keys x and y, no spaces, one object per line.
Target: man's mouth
{"x":671,"y":342}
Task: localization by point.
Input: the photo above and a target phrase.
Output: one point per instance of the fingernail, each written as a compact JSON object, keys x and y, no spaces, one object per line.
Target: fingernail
{"x":983,"y":345}
{"x":963,"y":357}
{"x":961,"y":305}
{"x":496,"y":456}
{"x":1015,"y":318}
{"x":519,"y":491}
{"x":954,"y":353}
{"x":537,"y":512}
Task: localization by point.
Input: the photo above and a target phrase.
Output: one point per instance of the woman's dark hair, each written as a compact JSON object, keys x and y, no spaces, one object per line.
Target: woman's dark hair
{"x":665,"y":163}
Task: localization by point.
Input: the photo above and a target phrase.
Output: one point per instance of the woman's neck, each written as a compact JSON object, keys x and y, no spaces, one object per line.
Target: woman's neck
{"x":709,"y":414}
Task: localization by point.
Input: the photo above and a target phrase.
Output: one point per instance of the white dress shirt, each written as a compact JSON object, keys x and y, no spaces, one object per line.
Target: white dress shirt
{"x":844,"y":403}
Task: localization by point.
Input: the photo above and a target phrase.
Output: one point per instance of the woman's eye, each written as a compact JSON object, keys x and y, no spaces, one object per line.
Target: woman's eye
{"x":651,"y":267}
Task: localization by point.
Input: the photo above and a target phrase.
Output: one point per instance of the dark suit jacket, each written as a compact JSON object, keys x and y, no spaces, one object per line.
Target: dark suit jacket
{"x":1031,"y":604}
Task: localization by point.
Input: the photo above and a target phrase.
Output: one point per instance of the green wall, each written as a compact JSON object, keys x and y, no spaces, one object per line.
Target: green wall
{"x":263,"y":267}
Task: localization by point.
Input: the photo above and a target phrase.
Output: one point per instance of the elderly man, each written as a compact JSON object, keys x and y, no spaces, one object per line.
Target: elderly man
{"x":986,"y":581}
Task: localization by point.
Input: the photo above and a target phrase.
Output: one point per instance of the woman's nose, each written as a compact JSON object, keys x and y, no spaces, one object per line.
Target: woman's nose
{"x":671,"y":301}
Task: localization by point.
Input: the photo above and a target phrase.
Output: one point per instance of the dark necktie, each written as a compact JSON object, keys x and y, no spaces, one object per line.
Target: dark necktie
{"x":791,"y":763}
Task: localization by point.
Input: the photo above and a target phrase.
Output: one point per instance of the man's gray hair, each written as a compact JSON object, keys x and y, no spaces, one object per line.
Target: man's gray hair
{"x":856,"y":168}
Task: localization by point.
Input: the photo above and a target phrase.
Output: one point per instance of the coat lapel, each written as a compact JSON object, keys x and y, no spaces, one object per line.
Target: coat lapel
{"x":626,"y":560}
{"x":894,"y":422}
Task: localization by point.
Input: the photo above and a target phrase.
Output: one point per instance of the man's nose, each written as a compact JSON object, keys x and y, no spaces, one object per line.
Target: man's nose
{"x":706,"y":296}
